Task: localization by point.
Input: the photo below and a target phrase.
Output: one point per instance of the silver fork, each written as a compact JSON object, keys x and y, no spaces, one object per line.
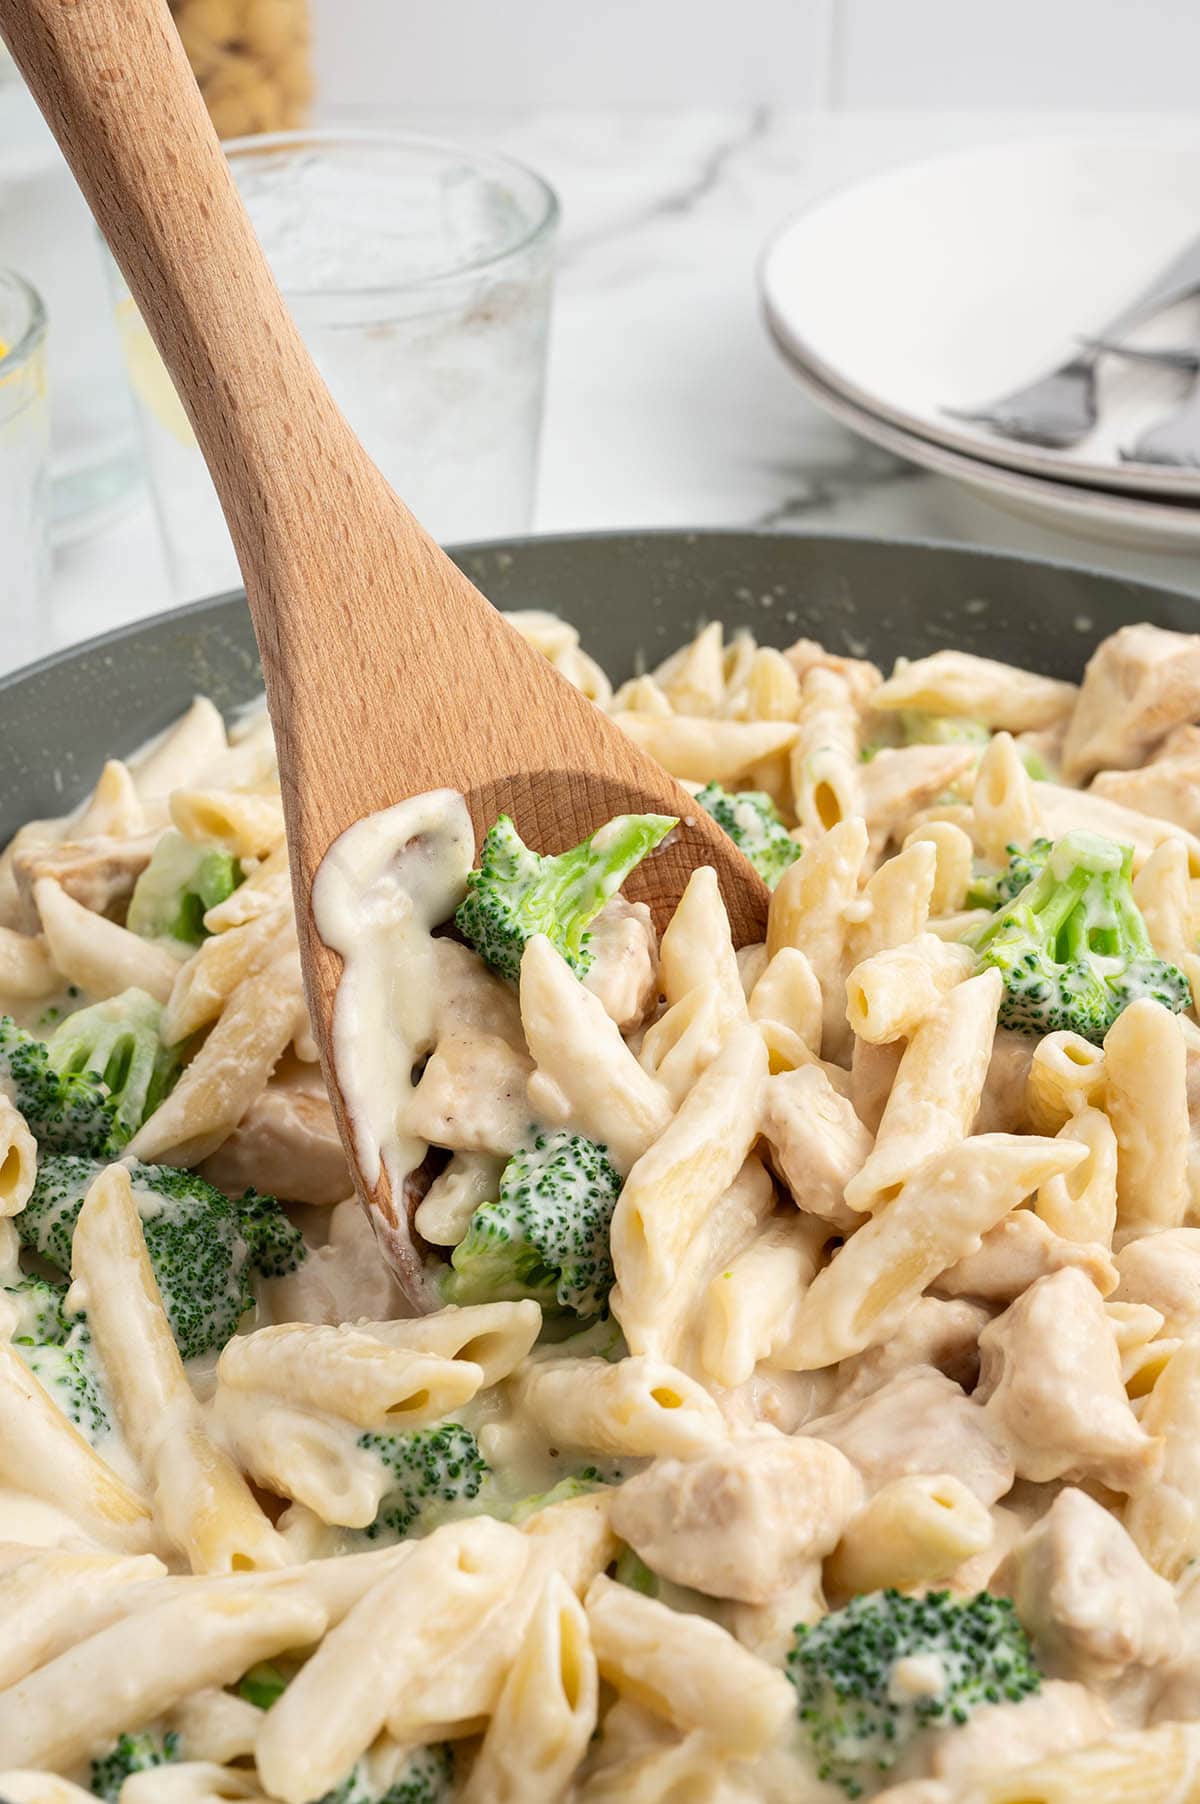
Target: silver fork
{"x":1175,"y":439}
{"x":1060,"y":407}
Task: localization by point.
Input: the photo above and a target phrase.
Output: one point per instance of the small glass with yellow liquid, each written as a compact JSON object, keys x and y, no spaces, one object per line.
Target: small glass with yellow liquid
{"x":24,"y":460}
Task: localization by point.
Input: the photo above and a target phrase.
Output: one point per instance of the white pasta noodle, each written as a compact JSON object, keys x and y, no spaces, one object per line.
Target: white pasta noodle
{"x":884,"y":1296}
{"x":204,"y":1506}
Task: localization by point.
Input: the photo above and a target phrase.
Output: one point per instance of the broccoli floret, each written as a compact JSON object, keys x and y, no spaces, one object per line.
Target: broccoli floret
{"x":516,"y":893}
{"x":426,"y":1777}
{"x":177,"y":888}
{"x":204,"y":1249}
{"x":262,"y":1686}
{"x":58,"y":1350}
{"x":117,"y":1042}
{"x":990,"y":889}
{"x":858,"y":1720}
{"x":274,"y":1246}
{"x":755,"y":826}
{"x":132,"y":1754}
{"x":433,"y":1471}
{"x":577,"y":1484}
{"x":917,"y":728}
{"x":38,"y":1313}
{"x":66,"y":1113}
{"x":632,"y":1571}
{"x":547,"y":1234}
{"x":1072,"y":946}
{"x":68,"y":1371}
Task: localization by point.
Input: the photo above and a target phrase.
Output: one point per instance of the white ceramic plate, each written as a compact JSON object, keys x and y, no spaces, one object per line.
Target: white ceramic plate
{"x":1114,"y":519}
{"x":949,"y":282}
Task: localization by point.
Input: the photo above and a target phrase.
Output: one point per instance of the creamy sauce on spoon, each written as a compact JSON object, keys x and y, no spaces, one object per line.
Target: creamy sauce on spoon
{"x":379,"y":892}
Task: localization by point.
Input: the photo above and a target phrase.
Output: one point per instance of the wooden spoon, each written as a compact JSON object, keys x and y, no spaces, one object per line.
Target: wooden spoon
{"x":387,"y":673}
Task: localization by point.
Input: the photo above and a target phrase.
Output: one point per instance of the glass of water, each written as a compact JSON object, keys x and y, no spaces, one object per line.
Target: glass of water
{"x":419,"y":275}
{"x":24,"y":457}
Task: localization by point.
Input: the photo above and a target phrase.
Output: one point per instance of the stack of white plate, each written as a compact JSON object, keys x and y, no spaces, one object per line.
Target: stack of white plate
{"x":947,"y":283}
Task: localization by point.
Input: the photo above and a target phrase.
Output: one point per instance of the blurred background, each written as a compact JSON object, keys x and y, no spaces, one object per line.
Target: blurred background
{"x":678,"y":136}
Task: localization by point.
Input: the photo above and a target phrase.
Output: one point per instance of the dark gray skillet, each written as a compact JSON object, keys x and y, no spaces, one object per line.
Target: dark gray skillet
{"x":633,"y":596}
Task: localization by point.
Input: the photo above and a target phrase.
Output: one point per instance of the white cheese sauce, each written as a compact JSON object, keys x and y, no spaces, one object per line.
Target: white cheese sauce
{"x":379,"y":892}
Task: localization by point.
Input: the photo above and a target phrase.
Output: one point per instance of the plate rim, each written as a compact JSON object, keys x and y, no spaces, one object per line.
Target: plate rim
{"x":1088,"y":504}
{"x":1008,"y":454}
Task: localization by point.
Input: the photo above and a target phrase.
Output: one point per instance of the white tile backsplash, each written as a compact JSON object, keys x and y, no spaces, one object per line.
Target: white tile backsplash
{"x":403,"y":54}
{"x":406,"y":55}
{"x":1027,"y":53}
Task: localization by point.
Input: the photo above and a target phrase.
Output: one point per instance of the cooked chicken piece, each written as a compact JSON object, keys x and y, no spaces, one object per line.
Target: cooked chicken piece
{"x":1001,"y":1737}
{"x":901,"y":780}
{"x":1002,"y":1107}
{"x":1085,"y":1594}
{"x":1050,"y":1386}
{"x":817,"y":1141}
{"x":1176,"y":1697}
{"x":919,"y":1422}
{"x":469,"y":998}
{"x":472,"y":1096}
{"x":743,"y":1521}
{"x":1164,"y":1271}
{"x":862,"y":676}
{"x":286,"y":1144}
{"x":1169,"y":789}
{"x":1140,"y":683}
{"x":346,"y":1280}
{"x":99,"y":873}
{"x":624,"y":969}
{"x":1016,"y":1253}
{"x":933,"y":1333}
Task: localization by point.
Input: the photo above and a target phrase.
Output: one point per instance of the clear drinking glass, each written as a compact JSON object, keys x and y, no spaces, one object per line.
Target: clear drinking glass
{"x":47,"y":232}
{"x":24,"y":456}
{"x":419,"y":275}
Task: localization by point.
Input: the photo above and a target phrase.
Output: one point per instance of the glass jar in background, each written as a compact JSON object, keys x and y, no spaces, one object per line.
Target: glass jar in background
{"x":252,"y":60}
{"x":419,"y":275}
{"x":24,"y":447}
{"x":47,"y":231}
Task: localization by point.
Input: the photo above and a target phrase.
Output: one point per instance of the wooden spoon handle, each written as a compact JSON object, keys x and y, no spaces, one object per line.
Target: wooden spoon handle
{"x":112,"y":78}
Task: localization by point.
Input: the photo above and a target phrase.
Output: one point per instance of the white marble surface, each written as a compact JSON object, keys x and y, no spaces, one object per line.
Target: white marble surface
{"x":666,"y":403}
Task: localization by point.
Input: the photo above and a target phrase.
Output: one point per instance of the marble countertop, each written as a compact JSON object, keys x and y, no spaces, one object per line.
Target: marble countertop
{"x":667,"y":405}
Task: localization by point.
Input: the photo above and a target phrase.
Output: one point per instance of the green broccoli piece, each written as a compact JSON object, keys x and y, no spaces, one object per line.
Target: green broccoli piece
{"x":67,"y":1112}
{"x":132,"y":1754}
{"x":434,"y":1471}
{"x":117,"y":1042}
{"x":58,"y":1350}
{"x":516,"y":893}
{"x":917,"y":728}
{"x":632,"y":1571}
{"x":427,"y":1777}
{"x":547,"y":1234}
{"x":177,"y":888}
{"x":1072,"y":946}
{"x":576,"y":1484}
{"x":39,"y":1312}
{"x":68,"y":1371}
{"x":991,"y":889}
{"x":274,"y":1246}
{"x":262,"y":1686}
{"x":755,"y":826}
{"x":855,"y":1717}
{"x":204,"y":1249}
